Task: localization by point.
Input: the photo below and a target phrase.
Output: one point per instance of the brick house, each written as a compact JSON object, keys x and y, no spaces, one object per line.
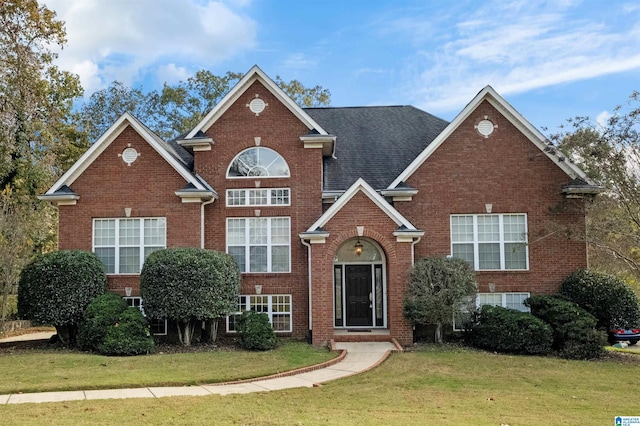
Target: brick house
{"x":325,"y":209}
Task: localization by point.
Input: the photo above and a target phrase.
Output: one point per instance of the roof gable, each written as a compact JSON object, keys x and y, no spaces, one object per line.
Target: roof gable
{"x":98,"y":147}
{"x":254,"y":74}
{"x":510,"y":113}
{"x":362,"y":186}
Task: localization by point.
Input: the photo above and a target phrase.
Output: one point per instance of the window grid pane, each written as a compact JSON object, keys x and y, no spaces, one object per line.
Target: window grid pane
{"x":277,"y":307}
{"x":491,"y":241}
{"x":257,"y":197}
{"x":260,"y":244}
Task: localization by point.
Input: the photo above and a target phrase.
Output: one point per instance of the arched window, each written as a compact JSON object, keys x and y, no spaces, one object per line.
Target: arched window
{"x":258,"y":161}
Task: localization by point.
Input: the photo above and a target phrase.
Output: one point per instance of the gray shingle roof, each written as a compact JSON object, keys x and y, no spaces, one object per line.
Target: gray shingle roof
{"x":375,"y":143}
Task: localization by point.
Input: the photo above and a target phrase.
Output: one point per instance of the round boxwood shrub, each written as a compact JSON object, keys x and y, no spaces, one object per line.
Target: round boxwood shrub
{"x":102,"y":312}
{"x":574,"y":333}
{"x":129,"y":335}
{"x":188,"y":285}
{"x":255,"y":332}
{"x":507,"y":330}
{"x":608,"y":298}
{"x":56,"y":288}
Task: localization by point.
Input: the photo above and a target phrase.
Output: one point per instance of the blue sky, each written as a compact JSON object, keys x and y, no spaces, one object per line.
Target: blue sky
{"x":551,"y":60}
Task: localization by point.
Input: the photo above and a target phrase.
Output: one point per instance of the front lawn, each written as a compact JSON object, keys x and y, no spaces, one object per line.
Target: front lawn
{"x":54,"y":370}
{"x":433,"y":386}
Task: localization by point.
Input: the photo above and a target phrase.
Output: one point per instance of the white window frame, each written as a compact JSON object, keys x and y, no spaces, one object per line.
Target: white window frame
{"x":247,"y":244}
{"x":117,"y":246}
{"x":247,"y":302}
{"x":246,"y":196}
{"x":501,"y":242}
{"x":259,"y":148}
{"x":503,"y":302}
{"x":136,"y":302}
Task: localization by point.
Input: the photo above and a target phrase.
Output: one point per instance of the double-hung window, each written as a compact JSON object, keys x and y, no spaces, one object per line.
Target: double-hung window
{"x":276,"y":306}
{"x":506,"y":300}
{"x":491,"y":241}
{"x":124,"y":244}
{"x":260,"y":244}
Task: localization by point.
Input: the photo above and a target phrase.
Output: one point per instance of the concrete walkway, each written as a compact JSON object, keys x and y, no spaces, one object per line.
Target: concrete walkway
{"x":354,"y":358}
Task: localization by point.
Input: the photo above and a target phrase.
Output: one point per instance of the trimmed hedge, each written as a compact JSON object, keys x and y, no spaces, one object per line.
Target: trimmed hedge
{"x":102,"y":312}
{"x":608,"y":298}
{"x":507,"y":330}
{"x":188,"y":285}
{"x":56,"y":288}
{"x":255,"y":332}
{"x":129,"y":335}
{"x":574,"y":333}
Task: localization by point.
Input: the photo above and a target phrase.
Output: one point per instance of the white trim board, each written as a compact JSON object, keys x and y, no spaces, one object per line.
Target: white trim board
{"x":510,"y":113}
{"x":105,"y":141}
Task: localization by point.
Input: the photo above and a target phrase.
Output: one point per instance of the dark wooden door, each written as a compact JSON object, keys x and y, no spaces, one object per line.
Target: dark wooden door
{"x":357,"y":292}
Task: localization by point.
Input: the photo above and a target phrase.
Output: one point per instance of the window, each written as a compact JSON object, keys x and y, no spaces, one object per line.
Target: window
{"x":506,"y":300}
{"x":259,"y":244}
{"x":277,"y":307}
{"x":491,"y":241}
{"x":258,"y":162}
{"x":258,"y":197}
{"x":157,"y":327}
{"x":123,"y":244}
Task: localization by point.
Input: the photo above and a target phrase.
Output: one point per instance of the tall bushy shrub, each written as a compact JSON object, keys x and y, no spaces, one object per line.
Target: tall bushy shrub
{"x":608,"y":298}
{"x":438,"y":289}
{"x":255,"y":332}
{"x":129,"y":335}
{"x":574,"y":333}
{"x":188,"y":285}
{"x":102,"y":312}
{"x":56,"y":288}
{"x":507,"y":330}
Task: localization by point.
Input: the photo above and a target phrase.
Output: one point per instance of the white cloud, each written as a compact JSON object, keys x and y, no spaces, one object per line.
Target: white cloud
{"x":125,"y":40}
{"x":602,"y":118}
{"x":171,"y":74}
{"x":516,"y":48}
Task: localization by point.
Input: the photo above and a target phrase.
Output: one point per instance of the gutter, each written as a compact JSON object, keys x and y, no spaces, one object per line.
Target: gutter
{"x":308,"y":245}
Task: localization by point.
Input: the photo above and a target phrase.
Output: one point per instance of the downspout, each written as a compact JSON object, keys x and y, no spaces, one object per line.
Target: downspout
{"x":413,"y":250}
{"x":308,"y":245}
{"x":202,"y":220}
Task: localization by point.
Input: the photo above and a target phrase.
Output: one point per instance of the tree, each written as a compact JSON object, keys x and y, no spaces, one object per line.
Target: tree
{"x":188,"y":285}
{"x":178,"y":108}
{"x":439,"y":288}
{"x":37,"y":140}
{"x":609,"y":153}
{"x":56,"y":288}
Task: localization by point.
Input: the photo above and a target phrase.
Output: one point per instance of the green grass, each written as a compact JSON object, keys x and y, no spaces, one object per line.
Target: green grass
{"x":436,"y":386}
{"x":55,"y":370}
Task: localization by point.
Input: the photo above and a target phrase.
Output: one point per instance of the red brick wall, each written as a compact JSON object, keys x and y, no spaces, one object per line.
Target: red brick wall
{"x":506,"y":170}
{"x":109,"y":185}
{"x":360,"y":211}
{"x":280,"y":130}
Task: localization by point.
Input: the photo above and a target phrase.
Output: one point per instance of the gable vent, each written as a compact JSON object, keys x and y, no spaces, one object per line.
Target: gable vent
{"x":485,"y":127}
{"x":129,"y":155}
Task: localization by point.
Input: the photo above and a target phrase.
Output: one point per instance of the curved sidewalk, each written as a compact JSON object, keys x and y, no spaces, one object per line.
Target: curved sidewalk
{"x":355,"y":358}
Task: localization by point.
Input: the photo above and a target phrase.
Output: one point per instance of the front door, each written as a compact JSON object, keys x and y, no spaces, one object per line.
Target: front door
{"x":358,"y":295}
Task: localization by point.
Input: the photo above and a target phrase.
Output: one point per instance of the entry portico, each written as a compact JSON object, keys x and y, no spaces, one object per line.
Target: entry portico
{"x":360,"y":251}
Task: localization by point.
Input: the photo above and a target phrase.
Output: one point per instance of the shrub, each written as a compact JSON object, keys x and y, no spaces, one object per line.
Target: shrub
{"x":188,"y":285}
{"x":507,"y":330}
{"x":255,"y":332}
{"x":102,"y":312}
{"x":574,"y":334}
{"x":608,"y":298}
{"x":128,"y":336}
{"x":56,"y":288}
{"x":438,"y":289}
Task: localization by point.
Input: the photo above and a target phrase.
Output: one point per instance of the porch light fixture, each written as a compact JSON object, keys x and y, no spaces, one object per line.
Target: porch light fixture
{"x":358,"y":247}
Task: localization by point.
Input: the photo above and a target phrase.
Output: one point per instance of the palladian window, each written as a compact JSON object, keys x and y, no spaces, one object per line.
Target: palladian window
{"x":258,"y":162}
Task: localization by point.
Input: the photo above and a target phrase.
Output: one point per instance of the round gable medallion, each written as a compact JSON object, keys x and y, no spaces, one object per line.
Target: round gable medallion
{"x":129,"y":155}
{"x":257,"y":105}
{"x":485,"y":127}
